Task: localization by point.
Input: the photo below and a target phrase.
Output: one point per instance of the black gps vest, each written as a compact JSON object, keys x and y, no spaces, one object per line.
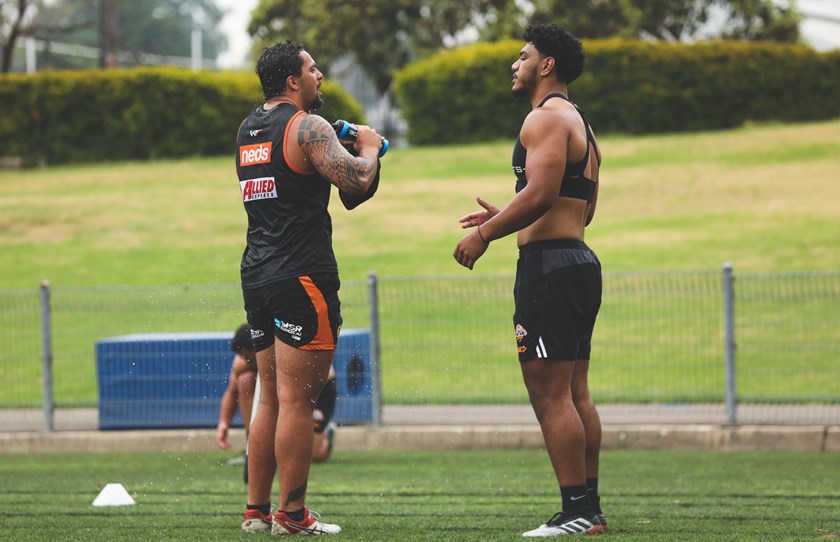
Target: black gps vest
{"x":575,"y":184}
{"x":289,"y":228}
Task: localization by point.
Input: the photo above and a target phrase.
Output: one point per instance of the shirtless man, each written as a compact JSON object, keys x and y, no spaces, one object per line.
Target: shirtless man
{"x":558,"y":277}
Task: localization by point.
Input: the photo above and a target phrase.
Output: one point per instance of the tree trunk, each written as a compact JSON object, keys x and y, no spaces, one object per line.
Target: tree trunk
{"x":108,"y":23}
{"x":9,"y":46}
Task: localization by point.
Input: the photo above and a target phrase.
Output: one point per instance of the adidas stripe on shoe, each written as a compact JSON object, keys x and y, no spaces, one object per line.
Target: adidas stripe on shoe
{"x":254,"y":521}
{"x":284,"y":525}
{"x":562,"y":524}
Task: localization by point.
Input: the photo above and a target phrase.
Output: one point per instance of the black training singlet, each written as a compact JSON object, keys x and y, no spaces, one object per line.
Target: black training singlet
{"x":289,"y":228}
{"x":575,"y":184}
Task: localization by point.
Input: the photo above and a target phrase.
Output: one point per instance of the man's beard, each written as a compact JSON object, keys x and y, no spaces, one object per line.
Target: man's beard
{"x":523,"y":90}
{"x":315,"y":103}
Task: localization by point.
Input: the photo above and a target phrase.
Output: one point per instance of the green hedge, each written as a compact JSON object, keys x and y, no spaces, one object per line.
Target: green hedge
{"x":464,"y":95}
{"x":461,"y":95}
{"x":88,"y":116}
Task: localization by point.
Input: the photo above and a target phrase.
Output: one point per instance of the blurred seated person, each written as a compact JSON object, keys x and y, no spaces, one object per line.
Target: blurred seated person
{"x":239,"y":394}
{"x":322,"y":418}
{"x":242,"y":389}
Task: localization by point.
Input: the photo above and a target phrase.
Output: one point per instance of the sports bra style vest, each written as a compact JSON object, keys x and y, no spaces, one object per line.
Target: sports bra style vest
{"x":289,"y":228}
{"x":575,"y":184}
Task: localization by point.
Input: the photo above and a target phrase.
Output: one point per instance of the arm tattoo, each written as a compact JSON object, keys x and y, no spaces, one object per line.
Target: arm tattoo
{"x":318,"y":140}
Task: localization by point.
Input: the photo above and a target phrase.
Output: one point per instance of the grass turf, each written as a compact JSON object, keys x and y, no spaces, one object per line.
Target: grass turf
{"x":763,"y":197}
{"x":429,"y":496}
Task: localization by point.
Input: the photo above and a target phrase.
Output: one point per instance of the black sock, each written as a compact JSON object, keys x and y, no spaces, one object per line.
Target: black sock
{"x":575,"y":499}
{"x":592,"y":490}
{"x":265,"y":509}
{"x":297,"y":515}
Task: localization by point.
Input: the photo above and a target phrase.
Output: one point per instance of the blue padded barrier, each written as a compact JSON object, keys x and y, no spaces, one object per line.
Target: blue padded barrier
{"x":354,"y":378}
{"x":164,"y":380}
{"x":176,"y":380}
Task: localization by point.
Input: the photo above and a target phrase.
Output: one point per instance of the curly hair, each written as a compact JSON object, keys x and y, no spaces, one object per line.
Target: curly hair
{"x":242,"y":339}
{"x":276,"y":64}
{"x":555,"y":41}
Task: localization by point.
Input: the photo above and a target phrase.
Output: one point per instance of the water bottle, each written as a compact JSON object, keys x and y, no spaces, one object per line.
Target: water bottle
{"x":349,"y":131}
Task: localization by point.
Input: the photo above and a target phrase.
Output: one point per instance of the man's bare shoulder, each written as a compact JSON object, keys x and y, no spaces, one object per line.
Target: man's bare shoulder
{"x":545,"y":123}
{"x":313,"y":127}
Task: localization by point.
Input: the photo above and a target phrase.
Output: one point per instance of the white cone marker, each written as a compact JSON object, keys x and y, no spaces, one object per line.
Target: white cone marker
{"x":113,"y":495}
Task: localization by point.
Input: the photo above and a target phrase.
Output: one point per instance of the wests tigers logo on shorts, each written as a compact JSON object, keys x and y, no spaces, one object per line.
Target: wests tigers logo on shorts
{"x":520,"y":333}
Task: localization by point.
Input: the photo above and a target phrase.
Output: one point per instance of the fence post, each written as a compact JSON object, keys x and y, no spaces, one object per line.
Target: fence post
{"x":47,"y":355}
{"x":375,"y":369}
{"x":729,"y":343}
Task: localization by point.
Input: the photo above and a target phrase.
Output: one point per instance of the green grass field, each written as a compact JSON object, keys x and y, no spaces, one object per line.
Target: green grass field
{"x":485,"y":496}
{"x":763,"y":197}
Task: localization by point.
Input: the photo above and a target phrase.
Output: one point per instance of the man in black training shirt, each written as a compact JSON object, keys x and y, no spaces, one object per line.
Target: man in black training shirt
{"x":287,"y":161}
{"x":558,"y":278}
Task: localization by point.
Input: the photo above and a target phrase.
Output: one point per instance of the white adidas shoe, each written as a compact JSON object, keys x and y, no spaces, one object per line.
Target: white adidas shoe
{"x":562,"y":524}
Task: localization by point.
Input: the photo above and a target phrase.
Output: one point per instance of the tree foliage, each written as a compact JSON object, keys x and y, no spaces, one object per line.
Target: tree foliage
{"x":384,"y":35}
{"x":762,"y":20}
{"x":161,"y":27}
{"x":673,"y":20}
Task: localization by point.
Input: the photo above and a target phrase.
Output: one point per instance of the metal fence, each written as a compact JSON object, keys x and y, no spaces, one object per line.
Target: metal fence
{"x":699,"y":346}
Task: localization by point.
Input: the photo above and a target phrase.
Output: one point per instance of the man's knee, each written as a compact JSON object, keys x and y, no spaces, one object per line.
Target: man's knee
{"x":549,"y":395}
{"x":550,"y":404}
{"x":246,"y":382}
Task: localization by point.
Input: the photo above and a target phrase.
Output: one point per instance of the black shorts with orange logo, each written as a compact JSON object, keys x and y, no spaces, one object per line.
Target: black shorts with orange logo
{"x":303,"y":312}
{"x":557,"y":296}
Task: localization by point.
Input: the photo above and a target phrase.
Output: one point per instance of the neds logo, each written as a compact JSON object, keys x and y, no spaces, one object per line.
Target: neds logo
{"x":259,"y":153}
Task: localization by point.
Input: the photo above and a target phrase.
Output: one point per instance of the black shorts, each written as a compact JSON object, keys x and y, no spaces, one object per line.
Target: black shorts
{"x":303,"y":312}
{"x":557,"y":296}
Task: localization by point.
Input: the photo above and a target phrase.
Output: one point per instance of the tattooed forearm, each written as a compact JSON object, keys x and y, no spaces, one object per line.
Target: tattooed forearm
{"x":352,"y":175}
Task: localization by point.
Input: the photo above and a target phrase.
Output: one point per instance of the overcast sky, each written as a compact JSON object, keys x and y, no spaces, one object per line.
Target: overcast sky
{"x":234,"y":25}
{"x":817,"y":32}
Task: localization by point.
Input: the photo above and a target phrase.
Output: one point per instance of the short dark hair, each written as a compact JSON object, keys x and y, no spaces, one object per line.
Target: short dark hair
{"x":276,"y":64}
{"x":242,"y":339}
{"x":555,"y":41}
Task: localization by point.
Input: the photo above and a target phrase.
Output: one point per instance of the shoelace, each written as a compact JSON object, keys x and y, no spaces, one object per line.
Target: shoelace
{"x":555,"y":516}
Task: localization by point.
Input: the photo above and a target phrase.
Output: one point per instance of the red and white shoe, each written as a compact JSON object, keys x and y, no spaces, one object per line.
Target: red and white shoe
{"x":310,"y":524}
{"x":254,"y":521}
